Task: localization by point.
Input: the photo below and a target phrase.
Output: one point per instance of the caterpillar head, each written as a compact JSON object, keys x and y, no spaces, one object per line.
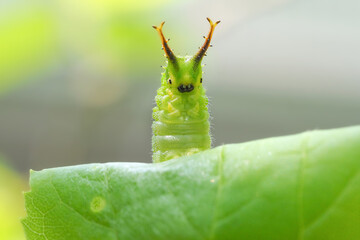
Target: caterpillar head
{"x":184,"y":74}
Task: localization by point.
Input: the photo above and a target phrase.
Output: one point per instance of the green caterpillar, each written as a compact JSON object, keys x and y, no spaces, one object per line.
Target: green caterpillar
{"x":181,"y":118}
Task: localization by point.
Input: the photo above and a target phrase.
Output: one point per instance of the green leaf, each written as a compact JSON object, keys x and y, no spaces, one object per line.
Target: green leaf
{"x":305,"y":186}
{"x":28,"y":44}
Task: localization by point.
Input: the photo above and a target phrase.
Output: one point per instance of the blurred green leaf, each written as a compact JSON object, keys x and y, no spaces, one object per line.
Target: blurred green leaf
{"x":107,"y":7}
{"x":304,"y":186}
{"x":135,"y":43}
{"x":11,"y":204}
{"x":27,"y":40}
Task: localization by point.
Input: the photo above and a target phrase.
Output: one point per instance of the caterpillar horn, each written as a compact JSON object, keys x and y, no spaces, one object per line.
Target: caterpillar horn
{"x":202,"y":51}
{"x":169,"y":53}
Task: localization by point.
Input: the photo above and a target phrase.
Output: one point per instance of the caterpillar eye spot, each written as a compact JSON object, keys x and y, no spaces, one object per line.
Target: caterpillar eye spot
{"x":200,"y":80}
{"x":170,"y":82}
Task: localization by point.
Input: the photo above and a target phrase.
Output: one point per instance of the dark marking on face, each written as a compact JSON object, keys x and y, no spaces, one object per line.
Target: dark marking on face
{"x":185,"y":88}
{"x":200,"y":80}
{"x":170,"y":82}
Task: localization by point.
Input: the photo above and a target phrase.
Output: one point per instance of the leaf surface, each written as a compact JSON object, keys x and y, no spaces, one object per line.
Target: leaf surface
{"x":305,"y":186}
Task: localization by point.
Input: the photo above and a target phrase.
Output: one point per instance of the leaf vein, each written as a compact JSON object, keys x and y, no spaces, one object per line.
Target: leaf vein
{"x":179,"y":206}
{"x":333,"y":203}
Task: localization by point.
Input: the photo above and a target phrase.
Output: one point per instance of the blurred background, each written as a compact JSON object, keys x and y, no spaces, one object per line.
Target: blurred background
{"x":78,"y":78}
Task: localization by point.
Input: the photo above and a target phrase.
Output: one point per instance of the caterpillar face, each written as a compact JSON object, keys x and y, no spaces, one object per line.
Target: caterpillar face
{"x":183,"y":79}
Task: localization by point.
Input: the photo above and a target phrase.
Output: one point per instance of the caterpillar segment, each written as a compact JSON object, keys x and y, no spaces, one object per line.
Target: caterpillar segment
{"x":181,"y":118}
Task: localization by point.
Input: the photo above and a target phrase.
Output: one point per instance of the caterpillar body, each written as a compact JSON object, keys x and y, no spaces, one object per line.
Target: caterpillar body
{"x":181,"y":118}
